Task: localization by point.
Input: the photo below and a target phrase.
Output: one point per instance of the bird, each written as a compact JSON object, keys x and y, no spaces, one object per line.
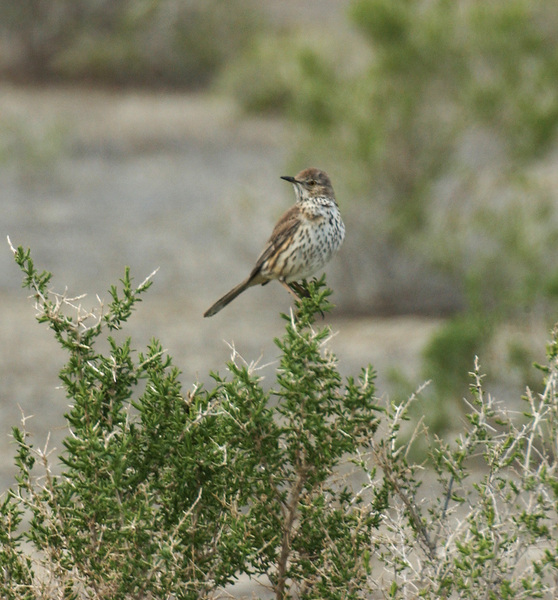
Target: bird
{"x":304,"y":239}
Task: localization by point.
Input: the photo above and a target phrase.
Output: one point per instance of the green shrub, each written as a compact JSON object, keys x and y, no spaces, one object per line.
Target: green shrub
{"x":165,"y":494}
{"x":289,"y":73}
{"x":450,"y":352}
{"x":483,"y":523}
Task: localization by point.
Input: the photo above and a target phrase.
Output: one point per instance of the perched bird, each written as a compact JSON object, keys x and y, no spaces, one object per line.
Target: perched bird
{"x":303,"y":241}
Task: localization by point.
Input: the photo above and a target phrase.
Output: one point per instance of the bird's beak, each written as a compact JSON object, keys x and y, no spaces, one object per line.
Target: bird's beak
{"x":289,"y":178}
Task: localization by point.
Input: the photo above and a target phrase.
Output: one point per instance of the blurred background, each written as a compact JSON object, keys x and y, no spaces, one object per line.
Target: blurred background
{"x":152,"y":133}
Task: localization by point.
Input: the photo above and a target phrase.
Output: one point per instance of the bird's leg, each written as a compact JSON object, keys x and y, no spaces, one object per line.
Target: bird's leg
{"x":300,"y":289}
{"x":289,"y":288}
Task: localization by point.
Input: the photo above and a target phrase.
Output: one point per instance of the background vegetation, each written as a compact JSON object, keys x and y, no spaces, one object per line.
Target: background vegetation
{"x":123,"y":42}
{"x":444,"y":128}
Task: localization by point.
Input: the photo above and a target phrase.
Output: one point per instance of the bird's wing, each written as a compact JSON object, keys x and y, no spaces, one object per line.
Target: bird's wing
{"x":282,"y":234}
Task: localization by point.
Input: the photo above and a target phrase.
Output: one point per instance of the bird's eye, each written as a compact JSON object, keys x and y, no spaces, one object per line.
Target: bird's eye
{"x":312,"y":182}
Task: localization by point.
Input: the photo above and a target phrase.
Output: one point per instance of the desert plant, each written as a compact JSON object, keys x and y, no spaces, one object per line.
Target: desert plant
{"x":171,"y":495}
{"x":483,"y":522}
{"x":164,"y":494}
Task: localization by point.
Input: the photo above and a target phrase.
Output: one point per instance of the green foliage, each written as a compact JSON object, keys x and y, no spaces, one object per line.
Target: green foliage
{"x":273,"y":74}
{"x":491,"y":62}
{"x":450,"y":353}
{"x":163,"y":493}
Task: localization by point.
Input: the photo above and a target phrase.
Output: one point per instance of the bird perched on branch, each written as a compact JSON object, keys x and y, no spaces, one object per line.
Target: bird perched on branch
{"x":303,"y":241}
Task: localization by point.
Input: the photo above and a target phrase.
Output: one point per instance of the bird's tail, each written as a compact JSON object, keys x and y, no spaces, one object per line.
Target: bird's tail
{"x":230,"y":296}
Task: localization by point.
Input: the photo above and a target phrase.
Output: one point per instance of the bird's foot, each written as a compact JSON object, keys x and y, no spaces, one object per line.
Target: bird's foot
{"x":300,"y":289}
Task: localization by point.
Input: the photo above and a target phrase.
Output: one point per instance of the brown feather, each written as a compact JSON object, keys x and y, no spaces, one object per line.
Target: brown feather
{"x":281,"y":234}
{"x":302,"y":241}
{"x":254,"y":279}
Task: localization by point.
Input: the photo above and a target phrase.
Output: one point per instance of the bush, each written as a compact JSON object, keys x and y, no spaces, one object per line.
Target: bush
{"x":483,"y":522}
{"x":146,"y":42}
{"x":170,"y":495}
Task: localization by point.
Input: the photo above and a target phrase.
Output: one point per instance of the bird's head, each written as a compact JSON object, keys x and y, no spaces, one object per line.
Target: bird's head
{"x":311,"y":183}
